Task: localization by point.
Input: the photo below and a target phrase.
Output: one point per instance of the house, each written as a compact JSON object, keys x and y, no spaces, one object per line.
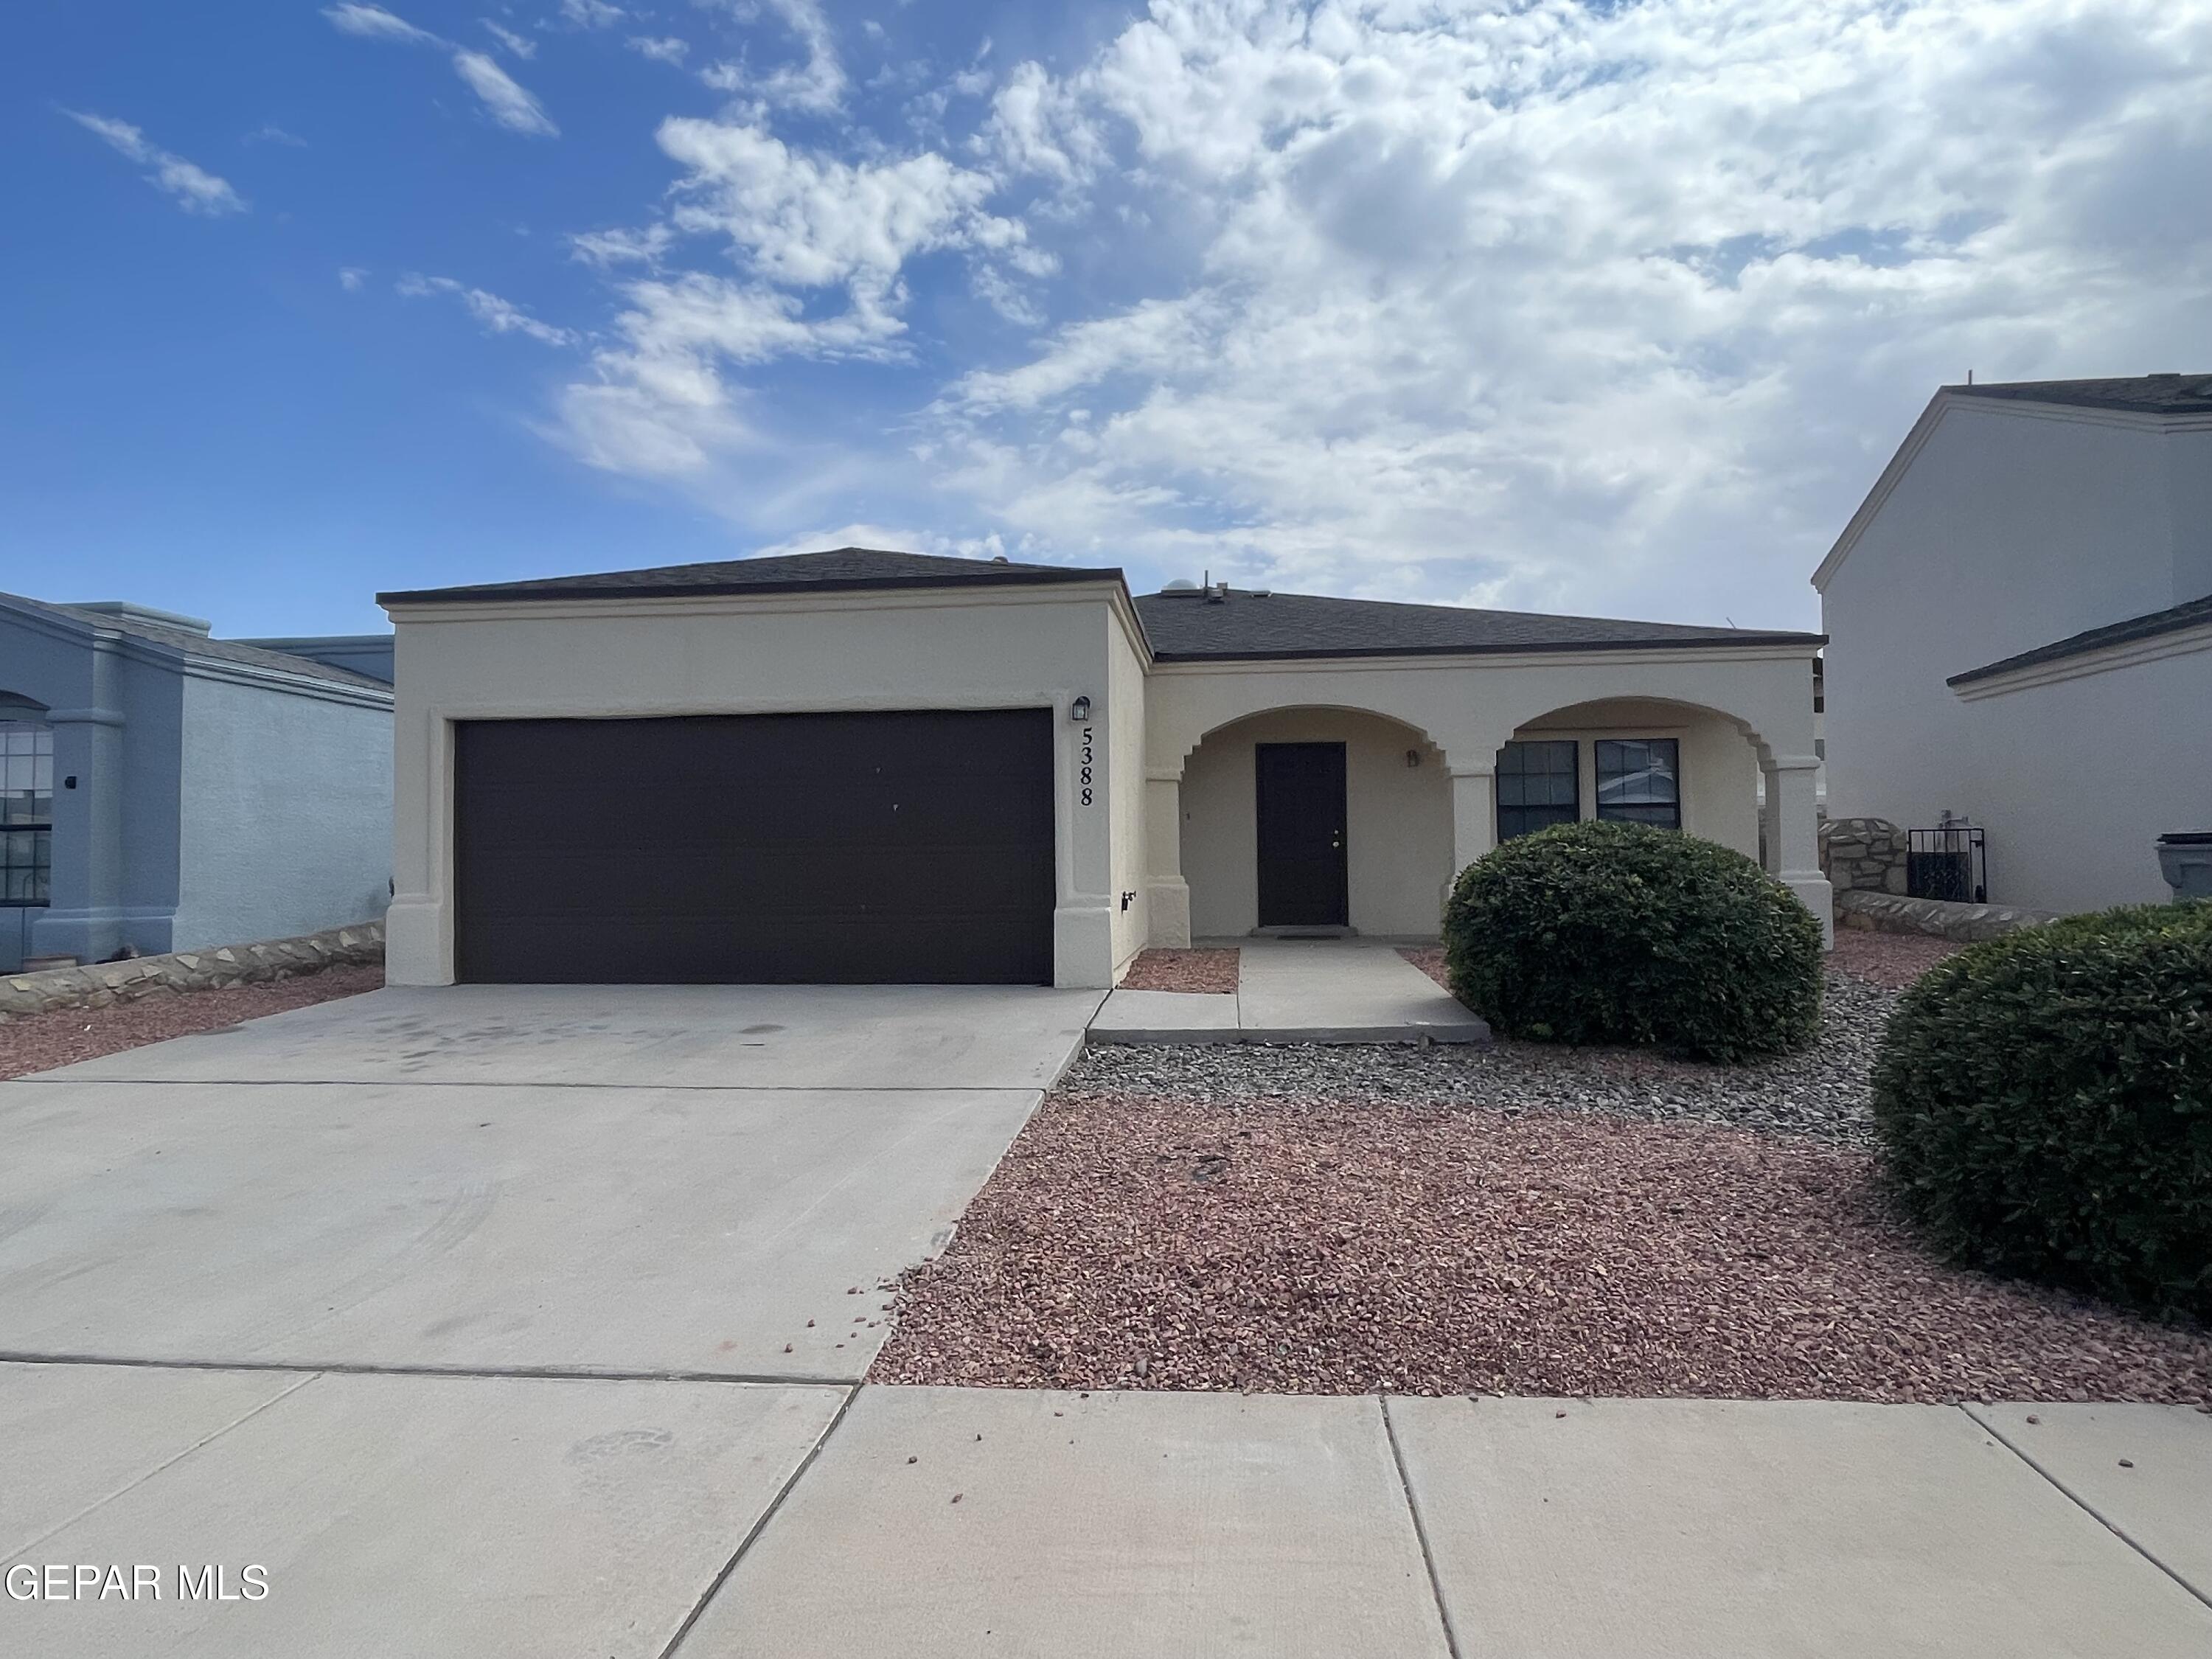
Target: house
{"x":860,"y":765}
{"x":2019,"y":619}
{"x":163,"y":790}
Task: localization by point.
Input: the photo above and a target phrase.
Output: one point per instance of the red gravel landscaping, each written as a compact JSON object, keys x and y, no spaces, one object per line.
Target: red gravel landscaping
{"x":1129,"y":1241}
{"x":1182,"y":971}
{"x":37,"y":1042}
{"x":1892,"y":959}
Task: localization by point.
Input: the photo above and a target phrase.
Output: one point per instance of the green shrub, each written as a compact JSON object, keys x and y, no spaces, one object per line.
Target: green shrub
{"x":1621,"y":933}
{"x":2046,"y":1105}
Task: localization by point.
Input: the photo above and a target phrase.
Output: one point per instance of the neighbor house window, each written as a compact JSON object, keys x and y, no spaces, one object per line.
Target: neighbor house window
{"x":1639,"y":780}
{"x":1536,"y":786}
{"x":27,"y":810}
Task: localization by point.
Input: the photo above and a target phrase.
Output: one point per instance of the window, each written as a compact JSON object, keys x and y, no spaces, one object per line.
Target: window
{"x":27,"y":810}
{"x":1639,"y":780}
{"x":1536,"y":786}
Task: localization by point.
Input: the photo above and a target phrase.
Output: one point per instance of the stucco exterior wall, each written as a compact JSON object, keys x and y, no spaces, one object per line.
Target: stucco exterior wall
{"x":738,"y":654}
{"x":1720,"y":771}
{"x":2074,"y":778}
{"x":1125,"y":780}
{"x":2009,"y":529}
{"x":1398,"y":830}
{"x":115,"y":710}
{"x":282,"y":809}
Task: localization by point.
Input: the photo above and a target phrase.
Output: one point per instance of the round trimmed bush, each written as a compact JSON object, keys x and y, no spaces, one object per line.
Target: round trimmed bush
{"x":1621,"y":933}
{"x":2044,"y":1102}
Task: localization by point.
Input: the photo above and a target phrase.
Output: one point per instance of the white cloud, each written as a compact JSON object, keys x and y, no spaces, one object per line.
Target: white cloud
{"x":802,"y":225}
{"x":666,"y":49}
{"x":350,"y":278}
{"x":196,"y":189}
{"x":270,"y":133}
{"x":498,"y":316}
{"x":815,"y":85}
{"x":375,"y":23}
{"x":506,"y":102}
{"x":608,"y":248}
{"x":522,"y":45}
{"x":1605,"y":308}
{"x":591,"y":14}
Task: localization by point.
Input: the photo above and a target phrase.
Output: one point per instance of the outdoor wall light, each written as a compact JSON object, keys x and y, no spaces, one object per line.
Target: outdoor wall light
{"x":1079,"y":710}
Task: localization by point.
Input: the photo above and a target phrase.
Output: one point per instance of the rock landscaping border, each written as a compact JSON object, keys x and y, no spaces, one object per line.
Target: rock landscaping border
{"x":1894,"y":913}
{"x":96,"y":985}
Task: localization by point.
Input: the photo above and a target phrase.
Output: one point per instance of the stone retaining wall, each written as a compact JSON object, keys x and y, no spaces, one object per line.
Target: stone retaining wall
{"x":98,"y":984}
{"x":1864,"y":854}
{"x":1892,"y":913}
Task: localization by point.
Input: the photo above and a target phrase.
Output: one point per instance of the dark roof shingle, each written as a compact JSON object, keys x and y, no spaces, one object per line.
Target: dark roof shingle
{"x":1185,"y":626}
{"x":1180,"y":624}
{"x":2139,"y":394}
{"x":2148,"y":626}
{"x":843,"y":568}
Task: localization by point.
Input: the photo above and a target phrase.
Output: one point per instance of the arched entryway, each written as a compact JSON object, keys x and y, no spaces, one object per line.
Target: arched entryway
{"x":1315,"y":818}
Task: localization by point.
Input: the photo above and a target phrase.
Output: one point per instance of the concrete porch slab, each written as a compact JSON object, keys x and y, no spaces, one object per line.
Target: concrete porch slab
{"x":1715,"y":1529}
{"x":2161,"y":1502}
{"x":683,"y":1231}
{"x":1164,"y":1016}
{"x":423,"y":1516}
{"x":1120,"y":1526}
{"x":1294,"y":991}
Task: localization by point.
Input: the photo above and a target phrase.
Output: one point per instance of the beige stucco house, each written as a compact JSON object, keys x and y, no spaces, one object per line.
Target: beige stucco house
{"x":873,"y":766}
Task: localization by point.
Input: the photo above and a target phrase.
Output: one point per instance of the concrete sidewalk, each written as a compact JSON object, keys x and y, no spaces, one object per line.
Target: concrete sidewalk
{"x":1330,"y":991}
{"x":487,"y":1516}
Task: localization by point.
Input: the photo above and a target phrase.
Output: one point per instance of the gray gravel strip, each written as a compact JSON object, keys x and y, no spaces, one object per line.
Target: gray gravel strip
{"x":1822,"y":1093}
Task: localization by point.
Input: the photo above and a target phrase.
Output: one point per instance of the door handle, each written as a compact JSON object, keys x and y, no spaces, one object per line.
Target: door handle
{"x":1336,"y":838}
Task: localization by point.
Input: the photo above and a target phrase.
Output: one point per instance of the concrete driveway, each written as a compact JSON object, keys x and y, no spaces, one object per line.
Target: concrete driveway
{"x":455,"y":1324}
{"x":488,"y":1320}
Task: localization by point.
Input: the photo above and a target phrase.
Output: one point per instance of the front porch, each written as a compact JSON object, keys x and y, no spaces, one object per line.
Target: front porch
{"x":1353,"y":820}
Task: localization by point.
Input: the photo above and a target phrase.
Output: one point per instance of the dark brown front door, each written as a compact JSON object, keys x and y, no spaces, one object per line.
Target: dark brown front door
{"x":1301,"y":816}
{"x":904,"y":847}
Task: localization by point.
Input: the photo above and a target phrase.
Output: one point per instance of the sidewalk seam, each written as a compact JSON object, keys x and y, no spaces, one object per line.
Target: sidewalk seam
{"x":714,"y":1587}
{"x":368,"y":1368}
{"x":2080,"y":1502}
{"x":165,"y":1465}
{"x":1420,"y":1530}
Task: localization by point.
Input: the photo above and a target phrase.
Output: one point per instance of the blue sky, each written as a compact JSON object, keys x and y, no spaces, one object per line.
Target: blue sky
{"x":1611,"y":309}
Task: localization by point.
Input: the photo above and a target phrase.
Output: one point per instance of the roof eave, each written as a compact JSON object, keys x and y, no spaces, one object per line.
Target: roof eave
{"x":571,"y":592}
{"x":1811,"y":642}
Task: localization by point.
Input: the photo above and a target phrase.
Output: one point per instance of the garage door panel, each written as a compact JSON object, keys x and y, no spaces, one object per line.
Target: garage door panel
{"x":906,"y":847}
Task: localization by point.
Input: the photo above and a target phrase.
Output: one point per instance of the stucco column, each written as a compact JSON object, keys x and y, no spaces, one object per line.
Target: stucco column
{"x":85,"y":917}
{"x":1167,"y":895}
{"x":1793,"y":845}
{"x":1474,"y":822}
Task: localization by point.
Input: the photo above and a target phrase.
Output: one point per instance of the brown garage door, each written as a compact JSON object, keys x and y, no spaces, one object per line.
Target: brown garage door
{"x":910,"y":847}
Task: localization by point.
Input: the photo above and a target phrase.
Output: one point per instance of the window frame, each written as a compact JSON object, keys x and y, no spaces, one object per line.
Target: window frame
{"x":37,"y":831}
{"x":1662,"y":814}
{"x":1573,"y":806}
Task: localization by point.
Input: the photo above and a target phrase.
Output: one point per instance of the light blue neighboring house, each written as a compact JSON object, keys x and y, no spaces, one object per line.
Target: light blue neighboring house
{"x":164,"y":790}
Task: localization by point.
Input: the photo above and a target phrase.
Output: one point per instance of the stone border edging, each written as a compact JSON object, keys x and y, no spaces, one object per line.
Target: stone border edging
{"x":95,"y":984}
{"x":1894,"y":913}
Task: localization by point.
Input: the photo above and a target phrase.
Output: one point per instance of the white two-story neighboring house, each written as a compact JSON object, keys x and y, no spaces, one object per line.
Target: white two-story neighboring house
{"x":2020,"y":623}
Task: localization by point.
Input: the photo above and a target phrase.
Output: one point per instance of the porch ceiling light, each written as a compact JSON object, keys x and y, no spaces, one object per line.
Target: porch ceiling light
{"x":1079,"y":710}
